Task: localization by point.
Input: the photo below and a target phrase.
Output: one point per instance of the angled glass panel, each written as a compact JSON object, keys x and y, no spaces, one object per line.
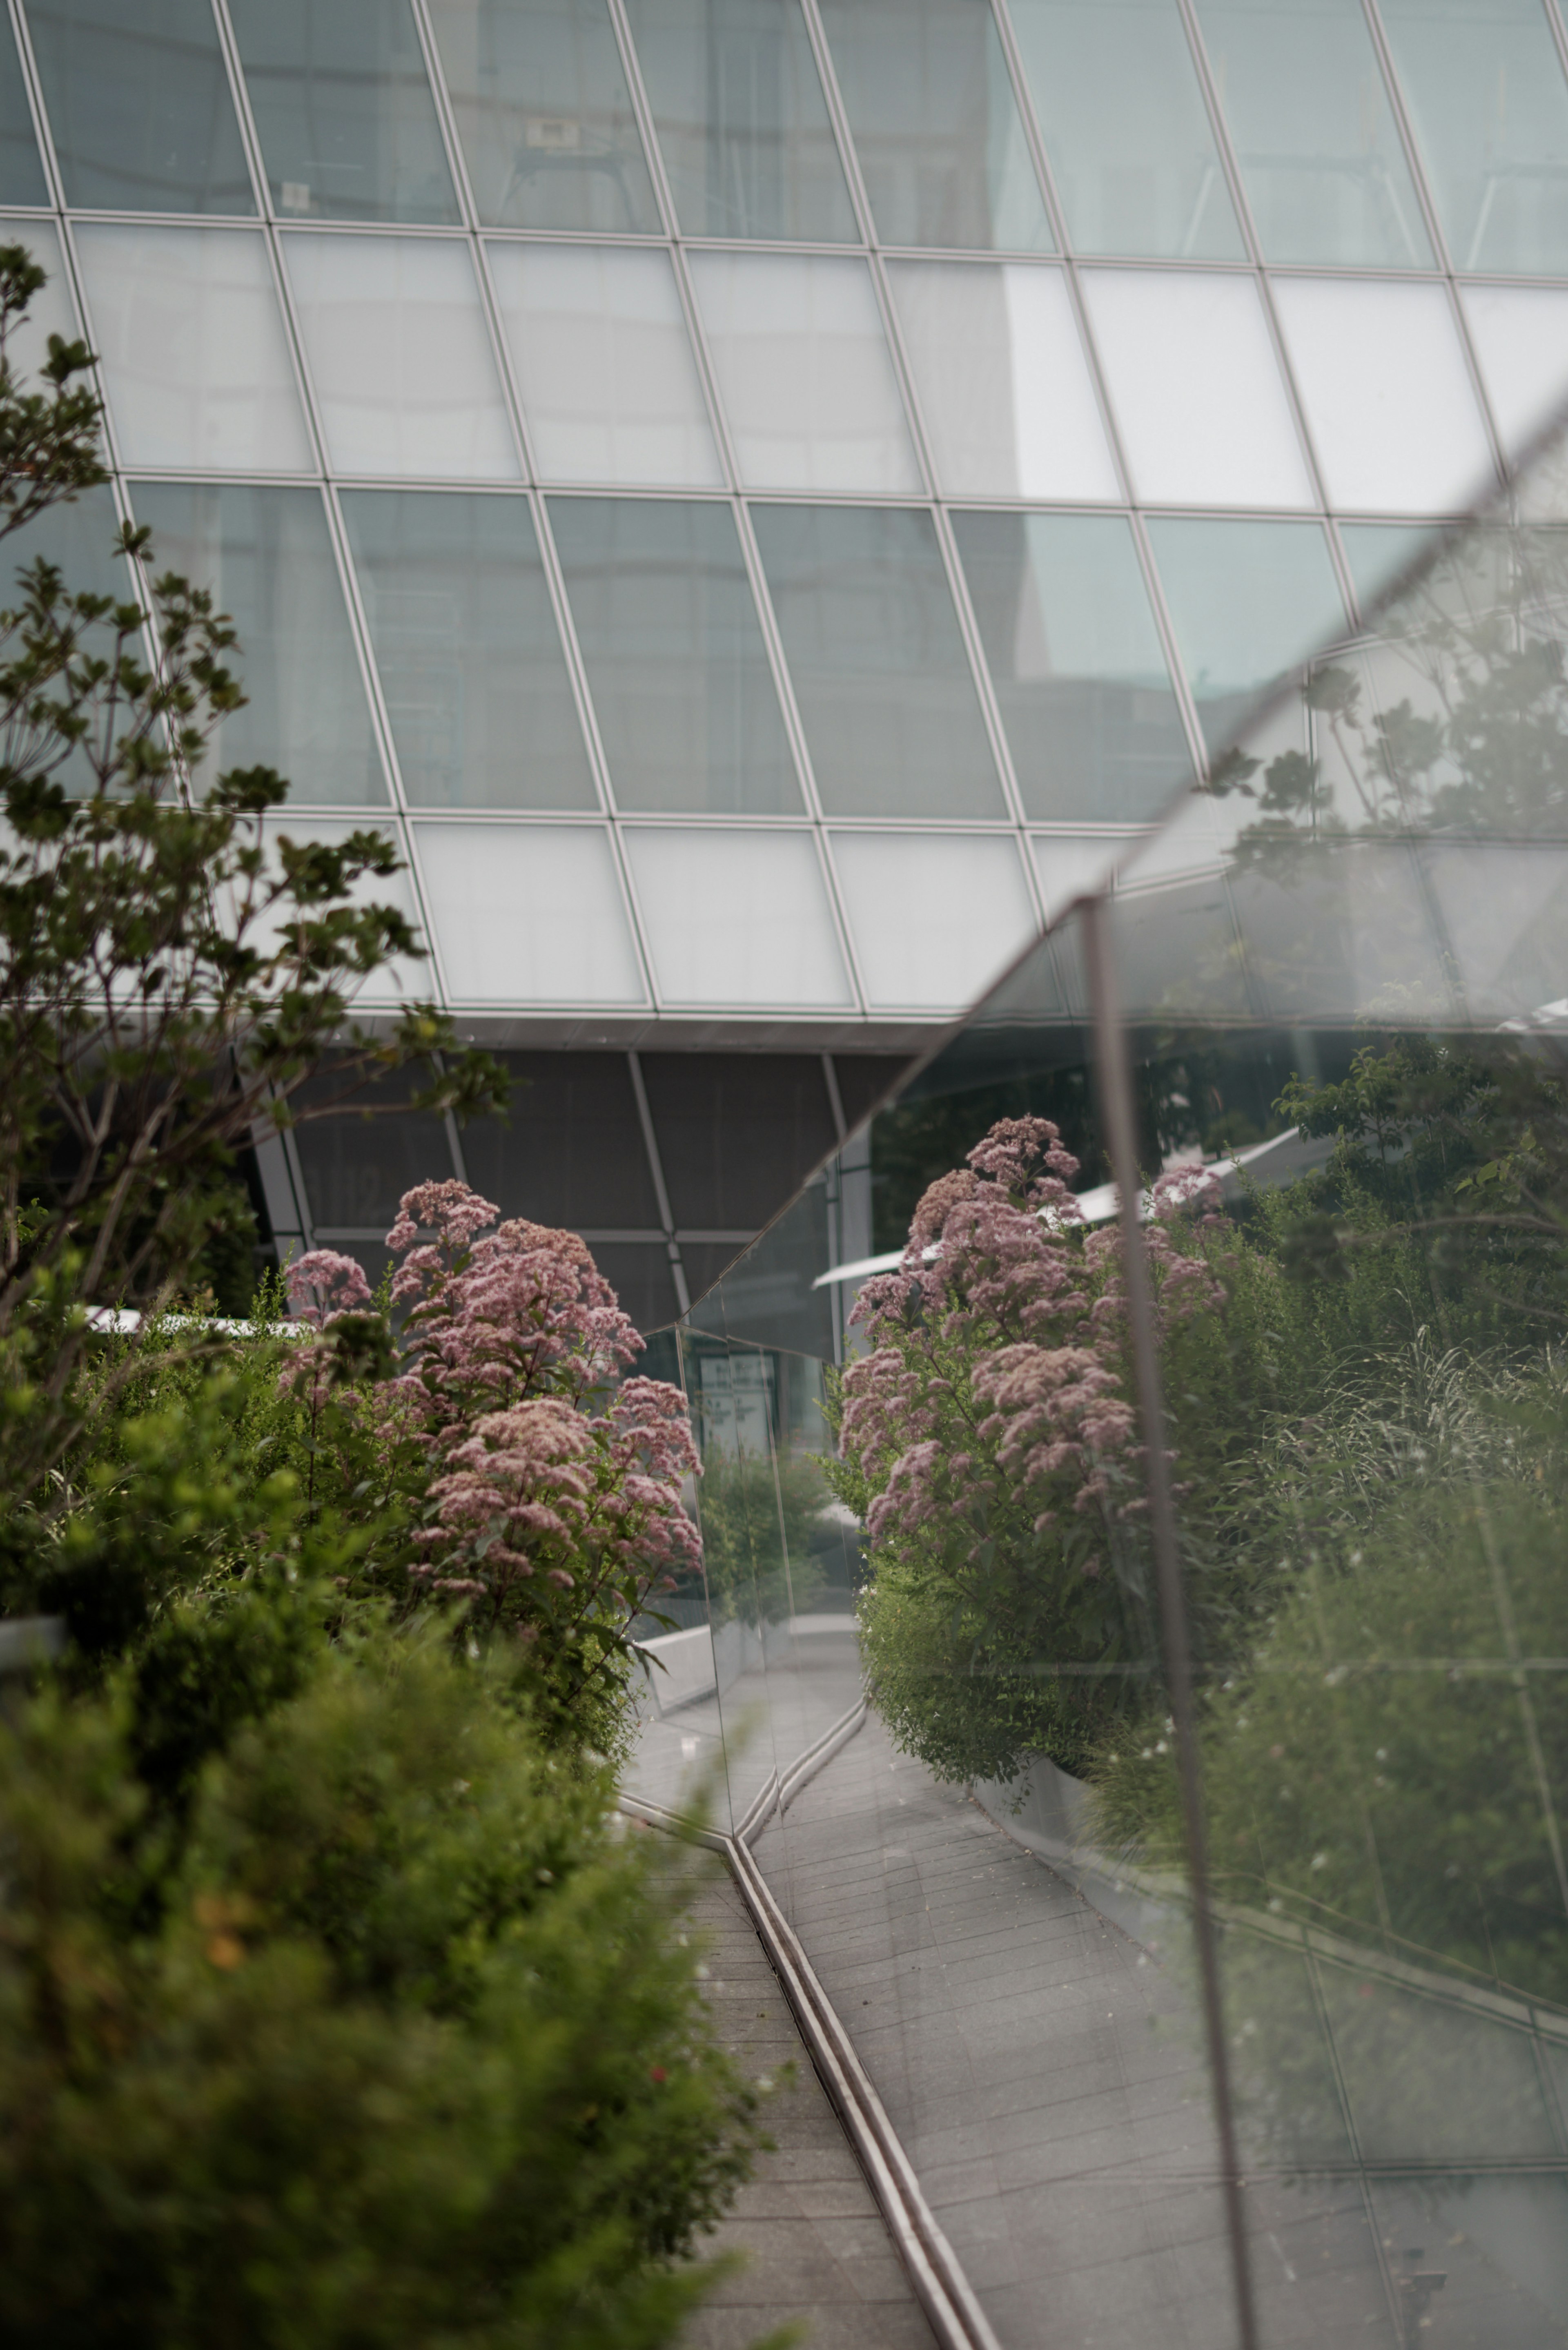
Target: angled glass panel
{"x":1196,"y":389}
{"x":195,"y":359}
{"x":604,"y":363}
{"x":356,"y":1170}
{"x":267,"y":559}
{"x":736,"y":918}
{"x":684,"y":698}
{"x":805,"y":372}
{"x":1131,"y":147}
{"x":572,"y":1148}
{"x":743,"y":124}
{"x":343,"y":109}
{"x":1489,"y":104}
{"x":1315,"y":134}
{"x":1521,"y":338}
{"x":549,"y":131}
{"x":529,"y":913}
{"x":728,"y":1125}
{"x":140,"y":106}
{"x":881,"y":677}
{"x":1003,"y":386}
{"x":1386,"y":393}
{"x":1247,"y":599}
{"x":78,"y":538}
{"x":51,"y":310}
{"x":21,"y":167}
{"x":935,"y":123}
{"x":1075,"y":661}
{"x":470,"y":657}
{"x":1378,"y":551}
{"x":398,"y":345}
{"x":934,"y":915}
{"x":406,"y":979}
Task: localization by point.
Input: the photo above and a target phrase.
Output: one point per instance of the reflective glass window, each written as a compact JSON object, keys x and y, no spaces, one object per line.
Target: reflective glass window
{"x":468,"y":654}
{"x":1086,"y":700}
{"x":1129,"y":139}
{"x":343,"y":109}
{"x":21,"y":170}
{"x":934,"y":915}
{"x":51,"y":310}
{"x":736,"y":917}
{"x":1315,"y":134}
{"x":936,"y":124}
{"x":687,"y":710}
{"x":544,"y":114}
{"x":140,"y":106}
{"x":1386,"y":393}
{"x":195,"y":357}
{"x":77,"y":537}
{"x":736,"y":1132}
{"x":572,"y":1151}
{"x":1003,"y":386}
{"x":1249,"y":601}
{"x":880,"y":674}
{"x":355,"y":1169}
{"x":1484,"y":86}
{"x":1378,"y":551}
{"x":267,"y":559}
{"x":605,"y":365}
{"x":803,"y":371}
{"x":529,"y":913}
{"x":1196,"y":389}
{"x":408,"y":979}
{"x":1520,"y":337}
{"x":1069,"y":865}
{"x":743,"y":124}
{"x":404,"y":374}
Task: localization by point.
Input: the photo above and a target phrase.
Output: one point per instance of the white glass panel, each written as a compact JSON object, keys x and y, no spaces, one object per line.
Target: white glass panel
{"x":412,"y":978}
{"x":1002,"y":381}
{"x":1522,"y":341}
{"x":194,"y":355}
{"x":528,"y":914}
{"x":610,"y":385}
{"x":736,"y":918}
{"x":805,"y":372}
{"x":51,"y":310}
{"x":1070,"y":865}
{"x":934,"y":915}
{"x":400,"y":357}
{"x":1196,"y":389}
{"x":1387,"y":396}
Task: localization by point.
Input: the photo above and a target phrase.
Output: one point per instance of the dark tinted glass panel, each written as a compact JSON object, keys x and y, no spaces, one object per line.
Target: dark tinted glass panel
{"x":883,"y":687}
{"x":1076,"y":660}
{"x":544,"y":113}
{"x":343,"y":109}
{"x":669,"y":637}
{"x":741,"y":120}
{"x":573,"y":1153}
{"x":638,"y":1271}
{"x":140,"y":107}
{"x":737,"y":1133}
{"x":356,"y":1168}
{"x":21,"y":173}
{"x":469,"y":653}
{"x":268,"y":561}
{"x":863,"y":1079}
{"x":936,"y":124}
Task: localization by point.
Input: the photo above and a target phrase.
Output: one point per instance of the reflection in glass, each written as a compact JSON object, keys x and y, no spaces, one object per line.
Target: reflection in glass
{"x":1487,"y":99}
{"x":736,"y":917}
{"x":1314,"y":131}
{"x":1003,"y":386}
{"x":399,"y":351}
{"x":1126,"y":129}
{"x":21,"y":170}
{"x":687,"y":710}
{"x":196,"y":363}
{"x":881,"y":677}
{"x":803,"y":371}
{"x":742,"y":122}
{"x":266,"y":557}
{"x":138,"y":104}
{"x":934,"y":915}
{"x":1249,"y":602}
{"x":1378,"y":551}
{"x":544,"y":114}
{"x":604,"y":364}
{"x":1075,"y":660}
{"x":343,"y":109}
{"x":935,"y":123}
{"x":529,"y":913}
{"x":468,"y":654}
{"x":1208,"y":425}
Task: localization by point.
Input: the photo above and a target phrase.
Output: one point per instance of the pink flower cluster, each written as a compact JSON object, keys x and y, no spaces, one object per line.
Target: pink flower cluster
{"x":322,"y":1284}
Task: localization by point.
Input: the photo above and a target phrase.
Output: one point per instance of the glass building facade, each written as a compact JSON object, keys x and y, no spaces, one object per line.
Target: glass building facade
{"x":764,"y":499}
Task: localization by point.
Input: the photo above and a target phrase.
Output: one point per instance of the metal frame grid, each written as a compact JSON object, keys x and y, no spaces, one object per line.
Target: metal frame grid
{"x":651,"y":1014}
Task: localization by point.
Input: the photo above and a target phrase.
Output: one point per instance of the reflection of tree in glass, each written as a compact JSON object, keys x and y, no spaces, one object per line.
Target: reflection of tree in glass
{"x":757,"y":1534}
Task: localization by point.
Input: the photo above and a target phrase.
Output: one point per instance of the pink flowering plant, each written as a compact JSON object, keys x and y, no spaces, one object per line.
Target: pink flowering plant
{"x":543,"y":1485}
{"x":988,"y":1443}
